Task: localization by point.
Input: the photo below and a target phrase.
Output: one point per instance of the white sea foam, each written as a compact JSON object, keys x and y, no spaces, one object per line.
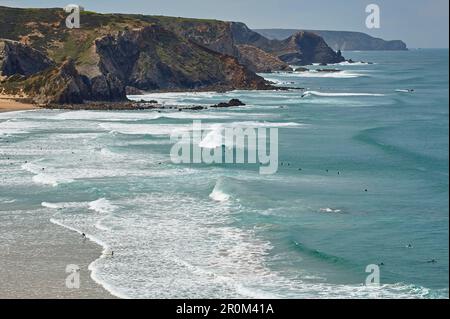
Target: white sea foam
{"x":329,"y":210}
{"x":168,"y":129}
{"x":150,"y":129}
{"x":356,"y":63}
{"x":132,"y":116}
{"x":32,"y":168}
{"x":93,"y":268}
{"x":62,"y":205}
{"x":191,"y":253}
{"x":10,"y":127}
{"x":336,"y":94}
{"x":100,"y":226}
{"x":215,"y":137}
{"x":218,"y":194}
{"x":334,"y":75}
{"x":177,"y":98}
{"x":7,"y":201}
{"x":47,"y":179}
{"x":276,"y":81}
{"x":44,"y":177}
{"x":102,"y":205}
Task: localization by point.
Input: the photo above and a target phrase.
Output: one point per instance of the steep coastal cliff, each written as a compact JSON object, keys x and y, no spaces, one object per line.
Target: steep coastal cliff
{"x":341,"y":40}
{"x":112,"y":54}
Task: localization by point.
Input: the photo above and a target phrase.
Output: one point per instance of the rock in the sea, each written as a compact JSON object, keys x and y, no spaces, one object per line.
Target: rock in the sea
{"x":18,"y":58}
{"x":232,"y":102}
{"x":236,"y":102}
{"x":301,"y":69}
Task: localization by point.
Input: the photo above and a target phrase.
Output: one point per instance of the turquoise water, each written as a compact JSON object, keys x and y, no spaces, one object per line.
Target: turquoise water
{"x":197,"y":230}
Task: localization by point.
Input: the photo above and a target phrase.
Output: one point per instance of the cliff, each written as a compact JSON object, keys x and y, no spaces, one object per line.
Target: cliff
{"x":340,"y":40}
{"x":112,"y":54}
{"x":17,"y":58}
{"x":108,"y":55}
{"x":258,"y":60}
{"x":305,"y":48}
{"x":302,"y":48}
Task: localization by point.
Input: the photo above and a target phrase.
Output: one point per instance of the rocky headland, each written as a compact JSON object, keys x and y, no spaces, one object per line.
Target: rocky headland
{"x":112,"y":55}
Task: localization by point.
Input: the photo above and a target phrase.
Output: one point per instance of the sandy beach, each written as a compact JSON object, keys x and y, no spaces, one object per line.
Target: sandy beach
{"x":34,"y":253}
{"x":10,"y":103}
{"x":34,"y":257}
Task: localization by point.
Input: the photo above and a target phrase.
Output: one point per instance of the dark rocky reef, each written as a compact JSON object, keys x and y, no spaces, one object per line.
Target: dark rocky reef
{"x":232,"y":102}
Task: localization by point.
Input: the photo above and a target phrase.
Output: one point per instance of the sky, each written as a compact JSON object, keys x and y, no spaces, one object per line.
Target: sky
{"x":420,"y":23}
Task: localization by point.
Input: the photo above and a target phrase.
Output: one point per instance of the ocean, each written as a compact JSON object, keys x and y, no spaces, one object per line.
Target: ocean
{"x":362,"y":180}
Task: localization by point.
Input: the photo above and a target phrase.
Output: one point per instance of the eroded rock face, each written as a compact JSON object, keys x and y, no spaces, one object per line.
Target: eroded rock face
{"x":18,"y":58}
{"x":258,"y":60}
{"x":302,"y":48}
{"x":305,"y":48}
{"x":340,"y":40}
{"x":62,"y":85}
{"x":152,"y":58}
{"x":115,"y":53}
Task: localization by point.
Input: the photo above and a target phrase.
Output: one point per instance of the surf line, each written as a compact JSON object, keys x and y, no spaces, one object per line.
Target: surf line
{"x":227,"y":145}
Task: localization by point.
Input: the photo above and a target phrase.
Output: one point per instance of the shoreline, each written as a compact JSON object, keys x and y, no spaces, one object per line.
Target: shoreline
{"x":10,"y":103}
{"x":34,"y":264}
{"x":105,"y":252}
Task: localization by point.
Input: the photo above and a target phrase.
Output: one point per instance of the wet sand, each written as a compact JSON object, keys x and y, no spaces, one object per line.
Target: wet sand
{"x":11,"y":103}
{"x":34,"y":254}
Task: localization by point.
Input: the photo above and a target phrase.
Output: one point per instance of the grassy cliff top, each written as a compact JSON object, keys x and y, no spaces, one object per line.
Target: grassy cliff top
{"x":45,"y":29}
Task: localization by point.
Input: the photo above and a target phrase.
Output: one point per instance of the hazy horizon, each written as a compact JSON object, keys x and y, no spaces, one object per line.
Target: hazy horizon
{"x":416,"y":22}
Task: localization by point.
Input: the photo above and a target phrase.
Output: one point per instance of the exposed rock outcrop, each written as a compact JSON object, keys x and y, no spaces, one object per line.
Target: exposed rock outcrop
{"x":114,"y":54}
{"x":340,"y":40}
{"x":236,"y":39}
{"x":302,"y":48}
{"x":17,"y":58}
{"x":232,"y":102}
{"x":61,"y":85}
{"x":153,"y":58}
{"x":258,"y":60}
{"x":305,"y":48}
